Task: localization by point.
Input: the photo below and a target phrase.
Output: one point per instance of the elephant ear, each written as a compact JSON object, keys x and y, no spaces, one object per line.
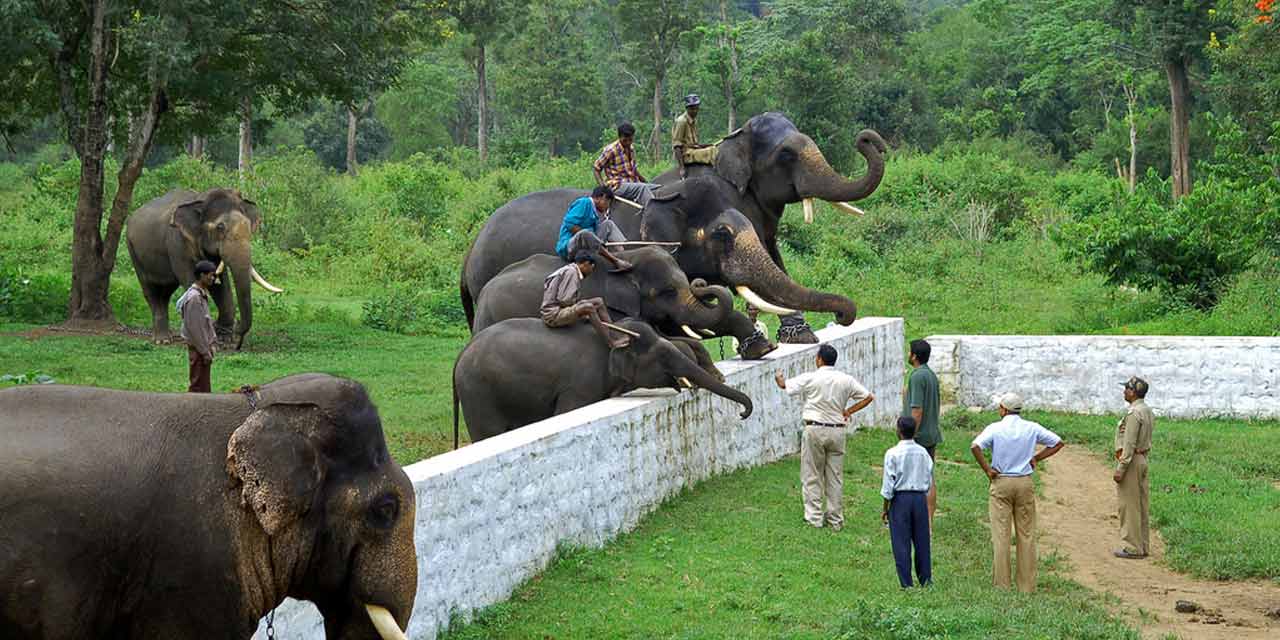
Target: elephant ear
{"x":622,"y":294}
{"x":188,"y":216}
{"x":251,"y":211}
{"x":733,"y":160}
{"x":279,"y":467}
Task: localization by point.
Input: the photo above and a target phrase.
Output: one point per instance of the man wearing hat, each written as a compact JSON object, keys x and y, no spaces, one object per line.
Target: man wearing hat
{"x":197,"y":328}
{"x":684,"y":138}
{"x":1132,"y":444}
{"x":1012,"y":500}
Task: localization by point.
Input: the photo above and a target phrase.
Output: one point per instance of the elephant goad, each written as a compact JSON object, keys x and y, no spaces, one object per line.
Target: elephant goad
{"x":152,"y":515}
{"x":169,"y":235}
{"x":655,"y":290}
{"x":759,"y":170}
{"x":518,"y":372}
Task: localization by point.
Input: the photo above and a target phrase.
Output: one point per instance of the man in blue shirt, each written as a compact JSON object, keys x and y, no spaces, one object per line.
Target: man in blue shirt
{"x":583,"y":228}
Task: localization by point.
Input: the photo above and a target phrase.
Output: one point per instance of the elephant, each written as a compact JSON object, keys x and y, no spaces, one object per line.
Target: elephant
{"x":760,"y":168}
{"x":654,"y":290}
{"x":159,"y":515}
{"x":518,"y":372}
{"x":169,"y":235}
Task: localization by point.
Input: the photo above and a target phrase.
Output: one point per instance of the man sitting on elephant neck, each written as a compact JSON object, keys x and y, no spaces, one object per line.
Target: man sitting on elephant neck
{"x":197,"y":328}
{"x":583,"y":228}
{"x":684,"y":138}
{"x":616,"y":168}
{"x":561,"y":306}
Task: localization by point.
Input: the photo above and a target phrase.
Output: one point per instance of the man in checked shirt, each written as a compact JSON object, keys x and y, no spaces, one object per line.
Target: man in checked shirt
{"x":616,"y":168}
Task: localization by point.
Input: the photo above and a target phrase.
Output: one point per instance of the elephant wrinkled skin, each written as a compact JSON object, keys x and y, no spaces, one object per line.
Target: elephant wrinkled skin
{"x":149,"y":515}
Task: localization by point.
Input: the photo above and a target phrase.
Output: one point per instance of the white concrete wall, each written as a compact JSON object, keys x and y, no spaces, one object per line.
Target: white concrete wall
{"x":492,"y":514}
{"x":1190,"y":377}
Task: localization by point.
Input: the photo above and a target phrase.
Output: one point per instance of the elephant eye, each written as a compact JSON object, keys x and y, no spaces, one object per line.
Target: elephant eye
{"x":384,"y":511}
{"x":786,"y":156}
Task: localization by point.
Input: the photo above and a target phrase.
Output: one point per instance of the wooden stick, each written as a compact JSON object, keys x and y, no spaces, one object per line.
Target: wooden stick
{"x":641,"y":243}
{"x":620,"y":329}
{"x":630,"y":203}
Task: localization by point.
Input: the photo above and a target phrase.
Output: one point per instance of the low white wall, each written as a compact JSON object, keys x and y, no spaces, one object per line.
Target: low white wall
{"x":1190,"y":377}
{"x":491,"y":515}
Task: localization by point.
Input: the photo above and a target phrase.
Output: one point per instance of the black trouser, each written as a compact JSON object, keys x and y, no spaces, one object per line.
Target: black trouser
{"x":909,"y":526}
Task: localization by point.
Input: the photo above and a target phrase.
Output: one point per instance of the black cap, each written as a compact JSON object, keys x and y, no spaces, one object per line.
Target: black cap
{"x":584,"y":256}
{"x":1137,"y":385}
{"x":203,"y":267}
{"x":692,"y":100}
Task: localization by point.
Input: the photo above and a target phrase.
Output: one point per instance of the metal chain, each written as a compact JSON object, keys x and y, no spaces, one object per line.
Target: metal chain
{"x":271,"y":624}
{"x":721,"y":341}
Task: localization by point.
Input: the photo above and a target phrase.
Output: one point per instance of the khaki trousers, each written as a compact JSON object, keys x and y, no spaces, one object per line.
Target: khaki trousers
{"x":822,"y":474}
{"x":1134,"y":495}
{"x":1013,"y":502}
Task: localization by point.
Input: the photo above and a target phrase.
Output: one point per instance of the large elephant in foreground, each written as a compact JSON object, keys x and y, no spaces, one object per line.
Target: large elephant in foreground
{"x":169,"y":235}
{"x":655,"y":290}
{"x":149,"y":515}
{"x":518,"y":372}
{"x":759,"y":170}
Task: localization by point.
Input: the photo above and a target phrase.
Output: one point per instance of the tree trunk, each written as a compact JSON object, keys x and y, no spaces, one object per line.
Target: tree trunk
{"x":1179,"y":127}
{"x":196,"y":148}
{"x":655,"y":139}
{"x":482,"y":133}
{"x":352,"y":121}
{"x":1131,"y":97}
{"x":731,"y":79}
{"x":246,"y":138}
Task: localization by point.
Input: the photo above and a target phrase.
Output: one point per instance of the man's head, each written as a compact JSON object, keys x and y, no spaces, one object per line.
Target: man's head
{"x":826,"y":356}
{"x":1010,"y":403}
{"x":206,"y":272}
{"x":1135,"y":388}
{"x":919,"y":352}
{"x":691,"y":104}
{"x":602,"y":197}
{"x":906,"y":427}
{"x":585,"y":261}
{"x":626,"y":135}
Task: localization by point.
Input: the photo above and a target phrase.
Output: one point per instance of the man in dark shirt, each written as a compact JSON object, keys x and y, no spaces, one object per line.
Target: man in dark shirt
{"x":197,"y":328}
{"x":921,"y":401}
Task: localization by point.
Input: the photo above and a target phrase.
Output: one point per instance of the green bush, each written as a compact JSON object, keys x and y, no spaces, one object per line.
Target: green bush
{"x":300,"y":200}
{"x":34,"y":298}
{"x":405,"y":308}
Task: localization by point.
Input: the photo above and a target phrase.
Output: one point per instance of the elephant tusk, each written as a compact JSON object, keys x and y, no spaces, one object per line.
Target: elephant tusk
{"x":808,"y":209}
{"x":684,"y":382}
{"x":708,"y":333}
{"x":221,"y":265}
{"x":848,"y":208}
{"x":759,"y":303}
{"x":385,"y":623}
{"x":690,"y":332}
{"x":262,"y":282}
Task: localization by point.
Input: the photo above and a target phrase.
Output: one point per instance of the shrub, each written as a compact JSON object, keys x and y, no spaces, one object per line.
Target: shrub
{"x":34,"y":298}
{"x":409,"y":309}
{"x":299,"y":198}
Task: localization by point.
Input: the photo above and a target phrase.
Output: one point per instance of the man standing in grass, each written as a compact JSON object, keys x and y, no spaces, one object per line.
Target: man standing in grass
{"x":825,"y":393}
{"x":1132,"y":444}
{"x":197,"y":328}
{"x":922,"y":402}
{"x":1012,"y":501}
{"x":616,"y":168}
{"x":908,"y":474}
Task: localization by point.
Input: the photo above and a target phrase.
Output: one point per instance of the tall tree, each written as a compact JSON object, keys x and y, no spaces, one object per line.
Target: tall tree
{"x":652,"y":29}
{"x":136,"y":61}
{"x":485,"y":21}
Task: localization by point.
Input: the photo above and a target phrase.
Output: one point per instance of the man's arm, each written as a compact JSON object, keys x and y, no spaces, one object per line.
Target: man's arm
{"x":1045,"y":453}
{"x":679,"y":153}
{"x":1128,"y":446}
{"x":599,"y":178}
{"x":780,"y":381}
{"x":859,"y":406}
{"x":982,"y":461}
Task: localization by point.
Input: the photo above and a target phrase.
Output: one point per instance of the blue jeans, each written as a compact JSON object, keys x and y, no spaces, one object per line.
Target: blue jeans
{"x":909,"y":526}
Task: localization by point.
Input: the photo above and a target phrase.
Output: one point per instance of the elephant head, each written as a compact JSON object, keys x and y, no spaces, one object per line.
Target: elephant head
{"x":719,"y":243}
{"x":218,"y":227}
{"x":778,"y":164}
{"x":653,"y":362}
{"x":312,"y":468}
{"x":657,"y":290}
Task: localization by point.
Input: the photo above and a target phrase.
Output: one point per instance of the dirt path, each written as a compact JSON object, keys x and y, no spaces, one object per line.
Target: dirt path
{"x":1077,"y":517}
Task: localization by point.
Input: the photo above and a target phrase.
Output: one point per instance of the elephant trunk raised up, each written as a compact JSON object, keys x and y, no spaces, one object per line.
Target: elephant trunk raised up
{"x":703,"y":314}
{"x":750,"y":269}
{"x":821,"y":181}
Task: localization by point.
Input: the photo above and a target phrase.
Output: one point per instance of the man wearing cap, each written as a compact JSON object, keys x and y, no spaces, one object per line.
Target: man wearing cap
{"x":197,"y":328}
{"x":1132,"y":444}
{"x":825,"y":392}
{"x":684,"y":138}
{"x":1012,"y":497}
{"x":585,"y":223}
{"x":616,"y":168}
{"x":561,"y":306}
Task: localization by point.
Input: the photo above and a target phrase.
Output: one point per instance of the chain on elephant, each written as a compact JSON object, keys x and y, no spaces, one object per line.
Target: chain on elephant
{"x":794,"y":330}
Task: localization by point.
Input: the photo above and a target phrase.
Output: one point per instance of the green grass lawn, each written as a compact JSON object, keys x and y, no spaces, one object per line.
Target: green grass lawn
{"x":731,"y":558}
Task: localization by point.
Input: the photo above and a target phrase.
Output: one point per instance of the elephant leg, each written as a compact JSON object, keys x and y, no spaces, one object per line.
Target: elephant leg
{"x":792,"y":329}
{"x":221,"y":294}
{"x":158,"y":297}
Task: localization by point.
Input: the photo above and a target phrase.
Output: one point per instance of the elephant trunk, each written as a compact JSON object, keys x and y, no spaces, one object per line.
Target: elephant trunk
{"x":817,"y":179}
{"x":702,"y":315}
{"x":241,"y":266}
{"x":749,"y":266}
{"x":700,"y":378}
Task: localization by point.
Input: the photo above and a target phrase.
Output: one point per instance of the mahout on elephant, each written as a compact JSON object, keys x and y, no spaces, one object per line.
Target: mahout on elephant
{"x":158,"y":515}
{"x":169,"y":235}
{"x":655,"y":290}
{"x":518,"y":372}
{"x":759,"y":169}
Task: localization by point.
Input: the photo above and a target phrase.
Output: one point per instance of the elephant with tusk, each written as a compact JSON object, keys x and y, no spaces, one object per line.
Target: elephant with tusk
{"x":150,"y":515}
{"x":169,"y":235}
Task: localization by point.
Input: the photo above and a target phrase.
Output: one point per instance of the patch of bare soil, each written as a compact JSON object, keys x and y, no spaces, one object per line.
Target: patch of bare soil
{"x":1078,"y":519}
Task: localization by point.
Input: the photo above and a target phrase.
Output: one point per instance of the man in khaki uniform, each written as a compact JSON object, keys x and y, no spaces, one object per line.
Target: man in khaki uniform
{"x":1132,"y":444}
{"x":684,"y":138}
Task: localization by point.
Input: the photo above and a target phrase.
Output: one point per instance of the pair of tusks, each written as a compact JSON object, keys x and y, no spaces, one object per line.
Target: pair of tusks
{"x":385,"y":623}
{"x":253,"y":273}
{"x":843,"y":206}
{"x":759,"y":303}
{"x":688,"y":331}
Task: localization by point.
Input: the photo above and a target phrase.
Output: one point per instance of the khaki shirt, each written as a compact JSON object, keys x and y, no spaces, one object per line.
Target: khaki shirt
{"x":826,"y":393}
{"x":197,"y":325}
{"x":1133,"y":433}
{"x":686,"y":132}
{"x":560,"y":289}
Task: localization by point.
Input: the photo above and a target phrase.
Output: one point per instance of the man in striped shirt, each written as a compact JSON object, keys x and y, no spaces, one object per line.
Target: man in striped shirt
{"x":616,"y":168}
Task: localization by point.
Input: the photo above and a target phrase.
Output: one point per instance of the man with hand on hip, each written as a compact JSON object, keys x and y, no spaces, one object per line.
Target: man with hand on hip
{"x":1012,"y":501}
{"x":825,"y":392}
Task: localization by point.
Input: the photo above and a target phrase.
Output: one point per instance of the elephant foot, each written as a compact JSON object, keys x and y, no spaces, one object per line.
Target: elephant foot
{"x":755,"y":346}
{"x":796,"y":333}
{"x":162,"y":339}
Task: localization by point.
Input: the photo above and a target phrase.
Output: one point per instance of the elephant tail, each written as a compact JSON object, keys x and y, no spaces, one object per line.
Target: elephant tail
{"x":468,"y":306}
{"x":454,"y":384}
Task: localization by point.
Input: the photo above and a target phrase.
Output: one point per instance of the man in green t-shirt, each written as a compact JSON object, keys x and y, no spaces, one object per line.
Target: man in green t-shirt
{"x":921,"y":401}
